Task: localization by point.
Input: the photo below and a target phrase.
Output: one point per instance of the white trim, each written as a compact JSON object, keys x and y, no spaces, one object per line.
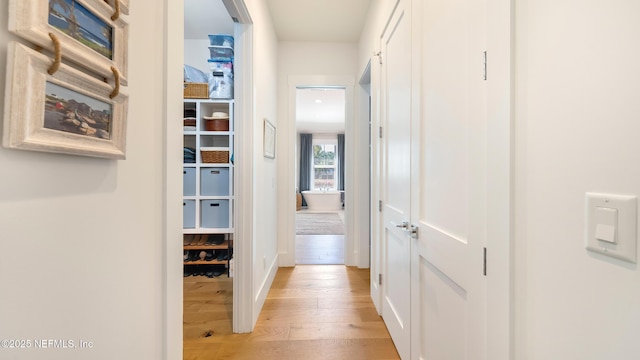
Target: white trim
{"x":376,"y":186}
{"x":363,"y":171}
{"x":325,"y":142}
{"x":263,"y":291}
{"x":172,"y":300}
{"x":243,"y":306}
{"x":287,"y":222}
{"x":500,"y":199}
{"x":415,"y":9}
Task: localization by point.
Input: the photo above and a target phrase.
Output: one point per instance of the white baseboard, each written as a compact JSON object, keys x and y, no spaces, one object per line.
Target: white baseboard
{"x":261,"y":294}
{"x":285,"y":259}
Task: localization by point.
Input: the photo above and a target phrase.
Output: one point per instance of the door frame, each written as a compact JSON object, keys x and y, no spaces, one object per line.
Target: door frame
{"x":172,"y":304}
{"x":172,"y":262}
{"x":377,"y":225}
{"x":287,"y":247}
{"x":243,"y":304}
{"x":363,"y":162}
{"x":500,"y":180}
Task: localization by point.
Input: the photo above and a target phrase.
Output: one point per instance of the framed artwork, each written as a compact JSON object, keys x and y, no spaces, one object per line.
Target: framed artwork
{"x":69,"y":112}
{"x":269,"y":140}
{"x":81,"y":30}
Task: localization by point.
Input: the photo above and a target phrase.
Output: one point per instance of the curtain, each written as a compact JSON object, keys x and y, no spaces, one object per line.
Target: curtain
{"x":340,"y":161}
{"x":306,"y":152}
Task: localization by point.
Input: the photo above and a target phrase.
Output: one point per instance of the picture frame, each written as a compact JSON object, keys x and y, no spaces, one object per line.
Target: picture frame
{"x":269,"y":139}
{"x":69,"y":112}
{"x":86,"y":34}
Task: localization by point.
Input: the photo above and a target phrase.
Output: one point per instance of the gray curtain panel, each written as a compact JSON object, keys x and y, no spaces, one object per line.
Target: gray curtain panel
{"x":340,"y":161}
{"x":306,"y":152}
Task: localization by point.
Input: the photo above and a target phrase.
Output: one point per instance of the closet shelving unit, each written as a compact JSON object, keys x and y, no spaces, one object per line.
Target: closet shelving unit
{"x":208,"y":198}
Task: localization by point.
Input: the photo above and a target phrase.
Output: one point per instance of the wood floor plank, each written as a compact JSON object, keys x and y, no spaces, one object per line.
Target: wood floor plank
{"x":291,"y":304}
{"x":350,"y":349}
{"x":319,"y":249}
{"x":355,"y":302}
{"x":320,"y":315}
{"x":355,"y":330}
{"x":270,"y":333}
{"x":311,"y":312}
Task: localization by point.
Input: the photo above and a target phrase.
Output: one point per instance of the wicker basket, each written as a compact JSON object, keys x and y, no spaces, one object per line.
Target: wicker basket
{"x":196,"y":91}
{"x":214,"y":156}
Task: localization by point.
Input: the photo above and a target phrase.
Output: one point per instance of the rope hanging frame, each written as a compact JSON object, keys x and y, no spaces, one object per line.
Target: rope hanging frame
{"x":116,"y":14}
{"x":57,"y":55}
{"x":116,"y":88}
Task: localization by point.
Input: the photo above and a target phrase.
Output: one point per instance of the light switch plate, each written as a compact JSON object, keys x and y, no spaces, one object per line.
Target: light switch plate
{"x":611,"y":225}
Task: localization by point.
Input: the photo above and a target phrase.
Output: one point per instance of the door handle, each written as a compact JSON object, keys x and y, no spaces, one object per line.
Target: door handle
{"x":410,"y":228}
{"x":413,"y":230}
{"x":404,"y":225}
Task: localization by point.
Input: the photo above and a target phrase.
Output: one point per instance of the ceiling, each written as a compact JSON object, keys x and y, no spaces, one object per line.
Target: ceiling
{"x":204,"y":17}
{"x":320,"y":110}
{"x":294,"y":20}
{"x":300,"y":21}
{"x":318,"y":20}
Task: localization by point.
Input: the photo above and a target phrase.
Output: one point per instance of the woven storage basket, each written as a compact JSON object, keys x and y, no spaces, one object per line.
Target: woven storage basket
{"x":196,"y":90}
{"x":214,"y":156}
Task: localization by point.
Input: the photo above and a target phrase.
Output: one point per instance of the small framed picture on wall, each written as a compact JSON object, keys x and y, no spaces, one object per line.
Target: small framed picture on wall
{"x":269,"y":140}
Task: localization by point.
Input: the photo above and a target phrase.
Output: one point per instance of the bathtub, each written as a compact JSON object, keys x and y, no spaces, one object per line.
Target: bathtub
{"x":322,"y":200}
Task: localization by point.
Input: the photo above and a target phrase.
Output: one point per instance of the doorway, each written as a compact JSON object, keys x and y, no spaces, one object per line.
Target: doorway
{"x":320,"y":175}
{"x":208,"y":236}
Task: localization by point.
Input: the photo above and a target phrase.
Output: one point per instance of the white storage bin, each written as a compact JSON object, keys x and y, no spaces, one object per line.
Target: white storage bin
{"x":215,"y":213}
{"x":188,"y":181}
{"x":220,"y":79}
{"x":188,"y":214}
{"x":214,"y":181}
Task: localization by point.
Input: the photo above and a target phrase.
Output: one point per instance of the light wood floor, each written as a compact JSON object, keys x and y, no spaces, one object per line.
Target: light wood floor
{"x":319,"y":249}
{"x":311,"y":312}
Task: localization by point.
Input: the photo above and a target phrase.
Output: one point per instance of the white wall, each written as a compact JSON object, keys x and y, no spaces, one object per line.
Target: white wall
{"x":265,"y":254}
{"x":379,"y":12}
{"x":196,"y":53}
{"x":315,"y":62}
{"x":577,"y":86}
{"x":81,"y":239}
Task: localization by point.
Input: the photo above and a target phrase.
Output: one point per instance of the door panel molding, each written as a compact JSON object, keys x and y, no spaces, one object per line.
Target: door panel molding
{"x":443,"y":250}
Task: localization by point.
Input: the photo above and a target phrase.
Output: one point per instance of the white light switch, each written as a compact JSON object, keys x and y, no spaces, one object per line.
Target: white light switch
{"x":606,"y":224}
{"x":611,"y":225}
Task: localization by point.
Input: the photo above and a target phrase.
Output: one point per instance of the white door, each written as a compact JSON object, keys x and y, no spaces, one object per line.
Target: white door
{"x":396,"y":121}
{"x":449,"y":291}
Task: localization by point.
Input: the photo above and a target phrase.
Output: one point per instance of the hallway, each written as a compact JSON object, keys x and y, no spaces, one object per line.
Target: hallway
{"x":311,"y":312}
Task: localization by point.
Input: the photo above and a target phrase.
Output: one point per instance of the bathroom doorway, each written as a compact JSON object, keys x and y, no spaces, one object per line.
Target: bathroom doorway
{"x":319,"y":175}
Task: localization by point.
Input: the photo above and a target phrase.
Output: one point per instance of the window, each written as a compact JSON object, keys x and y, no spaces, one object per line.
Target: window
{"x":324,"y":167}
